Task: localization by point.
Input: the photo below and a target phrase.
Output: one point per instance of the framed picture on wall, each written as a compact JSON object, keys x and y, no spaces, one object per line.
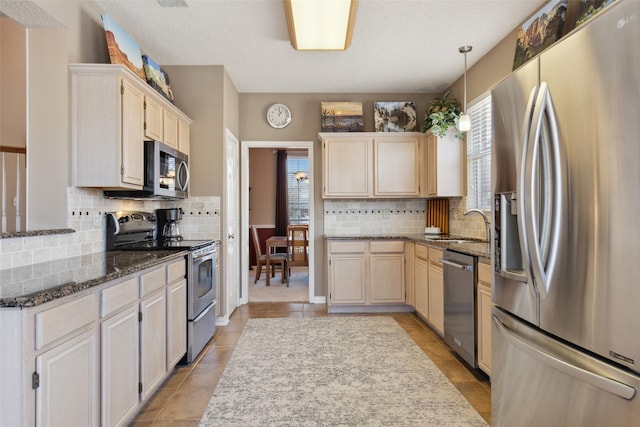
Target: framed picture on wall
{"x":540,"y":31}
{"x":123,"y":49}
{"x":394,"y":116}
{"x":341,"y":117}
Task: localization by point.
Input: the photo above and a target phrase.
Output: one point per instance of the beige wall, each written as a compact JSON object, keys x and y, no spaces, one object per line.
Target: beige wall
{"x":262,"y":185}
{"x":13,"y":83}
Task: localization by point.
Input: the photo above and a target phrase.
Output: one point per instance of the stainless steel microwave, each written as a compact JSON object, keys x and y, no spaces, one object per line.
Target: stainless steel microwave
{"x":166,"y":175}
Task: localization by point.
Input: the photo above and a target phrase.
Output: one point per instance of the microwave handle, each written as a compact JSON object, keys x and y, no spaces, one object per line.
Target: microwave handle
{"x":182,"y":186}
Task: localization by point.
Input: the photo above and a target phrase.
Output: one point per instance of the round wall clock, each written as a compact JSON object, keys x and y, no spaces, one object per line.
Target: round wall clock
{"x":278,"y":116}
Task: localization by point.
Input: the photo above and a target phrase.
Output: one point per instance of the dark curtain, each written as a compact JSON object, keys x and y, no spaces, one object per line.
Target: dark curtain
{"x":282,"y":201}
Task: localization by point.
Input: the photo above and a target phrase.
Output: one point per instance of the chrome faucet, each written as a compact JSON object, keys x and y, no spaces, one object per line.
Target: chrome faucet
{"x":487,"y":225}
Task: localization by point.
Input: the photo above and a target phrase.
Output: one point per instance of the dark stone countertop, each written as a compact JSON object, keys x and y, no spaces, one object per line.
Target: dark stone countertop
{"x":36,"y":284}
{"x":482,"y":250}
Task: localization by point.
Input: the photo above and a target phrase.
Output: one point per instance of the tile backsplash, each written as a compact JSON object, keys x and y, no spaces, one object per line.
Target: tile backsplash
{"x":86,"y":216}
{"x":374,"y":217}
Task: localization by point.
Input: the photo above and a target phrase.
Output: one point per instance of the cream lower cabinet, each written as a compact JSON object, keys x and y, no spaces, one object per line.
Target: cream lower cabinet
{"x":409,"y":257}
{"x":68,"y":391}
{"x":176,"y":312}
{"x":421,"y":280}
{"x":436,"y":291}
{"x":91,"y":358}
{"x":347,"y":272}
{"x":366,"y":274}
{"x":484,"y":316}
{"x":369,"y":165}
{"x":386,"y":272}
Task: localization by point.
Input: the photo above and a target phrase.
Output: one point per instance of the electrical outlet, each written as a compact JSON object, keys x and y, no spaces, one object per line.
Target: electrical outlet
{"x":97,"y":219}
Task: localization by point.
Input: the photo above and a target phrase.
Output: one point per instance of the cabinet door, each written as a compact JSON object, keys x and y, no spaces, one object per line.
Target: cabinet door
{"x":120,"y":366}
{"x":436,"y":297}
{"x":184,"y":137}
{"x":347,"y":167}
{"x":170,"y":129}
{"x":132,"y":134}
{"x":484,"y":317}
{"x":176,"y":322}
{"x":431,"y":169}
{"x":387,"y":278}
{"x":347,"y":278}
{"x":421,"y":284}
{"x":397,"y":166}
{"x":153,"y":335}
{"x":443,"y":173}
{"x":152,"y":120}
{"x":68,"y":392}
{"x":409,"y":254}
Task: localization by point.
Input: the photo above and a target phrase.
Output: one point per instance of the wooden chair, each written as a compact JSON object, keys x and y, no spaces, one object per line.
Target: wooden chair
{"x":274,"y":260}
{"x":298,"y":244}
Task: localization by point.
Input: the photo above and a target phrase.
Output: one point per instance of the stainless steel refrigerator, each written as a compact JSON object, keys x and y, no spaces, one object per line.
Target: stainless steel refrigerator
{"x":566,"y":181}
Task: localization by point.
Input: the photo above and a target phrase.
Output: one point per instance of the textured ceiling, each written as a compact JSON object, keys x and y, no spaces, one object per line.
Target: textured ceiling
{"x":398,"y":45}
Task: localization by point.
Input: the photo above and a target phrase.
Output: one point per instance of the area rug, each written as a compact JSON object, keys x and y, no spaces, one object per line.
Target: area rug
{"x":297,"y":291}
{"x":337,"y":371}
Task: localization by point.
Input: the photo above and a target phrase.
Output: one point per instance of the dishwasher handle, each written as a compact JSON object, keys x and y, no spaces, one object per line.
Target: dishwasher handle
{"x":459,"y":266}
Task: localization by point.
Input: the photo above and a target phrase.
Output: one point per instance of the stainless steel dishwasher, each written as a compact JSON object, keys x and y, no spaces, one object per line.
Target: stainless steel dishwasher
{"x":459,"y":272}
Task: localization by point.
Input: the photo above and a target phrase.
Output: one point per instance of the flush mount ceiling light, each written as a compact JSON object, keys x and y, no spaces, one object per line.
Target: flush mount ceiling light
{"x":320,"y":24}
{"x":464,"y":123}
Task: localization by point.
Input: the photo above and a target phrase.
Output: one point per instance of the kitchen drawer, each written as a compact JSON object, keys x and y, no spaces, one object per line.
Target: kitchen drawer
{"x":176,"y":270}
{"x":118,"y":296}
{"x":422,"y":252}
{"x":435,"y":255}
{"x":64,"y":319}
{"x":387,"y":246}
{"x":484,"y":272}
{"x":347,"y":247}
{"x":152,"y":281}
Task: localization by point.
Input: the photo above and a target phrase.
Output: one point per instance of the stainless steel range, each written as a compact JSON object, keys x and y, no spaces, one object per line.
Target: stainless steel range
{"x":138,"y":231}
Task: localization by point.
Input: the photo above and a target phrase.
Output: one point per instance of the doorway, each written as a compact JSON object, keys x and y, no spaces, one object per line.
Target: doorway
{"x":244,"y":192}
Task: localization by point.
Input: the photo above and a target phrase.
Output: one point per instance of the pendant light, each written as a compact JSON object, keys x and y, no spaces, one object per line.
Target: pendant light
{"x":464,"y":123}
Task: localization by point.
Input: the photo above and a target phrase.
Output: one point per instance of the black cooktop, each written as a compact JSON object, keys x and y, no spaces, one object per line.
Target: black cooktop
{"x":166,"y":245}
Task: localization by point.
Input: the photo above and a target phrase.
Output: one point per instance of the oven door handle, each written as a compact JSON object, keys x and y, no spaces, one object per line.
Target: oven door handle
{"x":205,"y":311}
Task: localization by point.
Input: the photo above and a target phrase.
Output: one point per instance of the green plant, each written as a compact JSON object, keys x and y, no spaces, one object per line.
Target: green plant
{"x":442,"y":113}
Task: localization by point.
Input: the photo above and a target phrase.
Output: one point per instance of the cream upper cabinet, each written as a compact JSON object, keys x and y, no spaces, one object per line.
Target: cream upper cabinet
{"x":109,"y":124}
{"x":484,"y":317}
{"x":397,"y":165}
{"x":436,"y":291}
{"x":347,"y":166}
{"x":170,"y":129}
{"x":153,"y":127}
{"x":184,"y":137}
{"x":370,"y":165}
{"x":442,"y":173}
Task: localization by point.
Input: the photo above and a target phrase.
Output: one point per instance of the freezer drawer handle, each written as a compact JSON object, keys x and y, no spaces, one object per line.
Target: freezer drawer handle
{"x":607,"y":384}
{"x":465,"y":267}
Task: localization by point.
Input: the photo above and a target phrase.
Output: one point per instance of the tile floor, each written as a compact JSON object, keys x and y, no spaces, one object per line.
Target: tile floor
{"x":183,"y":397}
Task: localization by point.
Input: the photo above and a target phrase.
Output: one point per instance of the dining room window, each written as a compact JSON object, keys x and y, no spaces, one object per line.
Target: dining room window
{"x":298,"y":187}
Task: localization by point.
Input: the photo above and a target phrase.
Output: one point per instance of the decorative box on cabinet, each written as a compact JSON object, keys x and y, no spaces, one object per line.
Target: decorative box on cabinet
{"x":443,"y":166}
{"x":113,"y":112}
{"x":368,"y":165}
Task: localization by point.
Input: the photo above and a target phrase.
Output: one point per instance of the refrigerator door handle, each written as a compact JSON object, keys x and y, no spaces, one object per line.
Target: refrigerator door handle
{"x":522,"y":211}
{"x":544,"y":240}
{"x":620,"y":389}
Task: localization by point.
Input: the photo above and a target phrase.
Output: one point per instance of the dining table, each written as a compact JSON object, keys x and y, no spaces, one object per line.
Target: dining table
{"x":272,"y":243}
